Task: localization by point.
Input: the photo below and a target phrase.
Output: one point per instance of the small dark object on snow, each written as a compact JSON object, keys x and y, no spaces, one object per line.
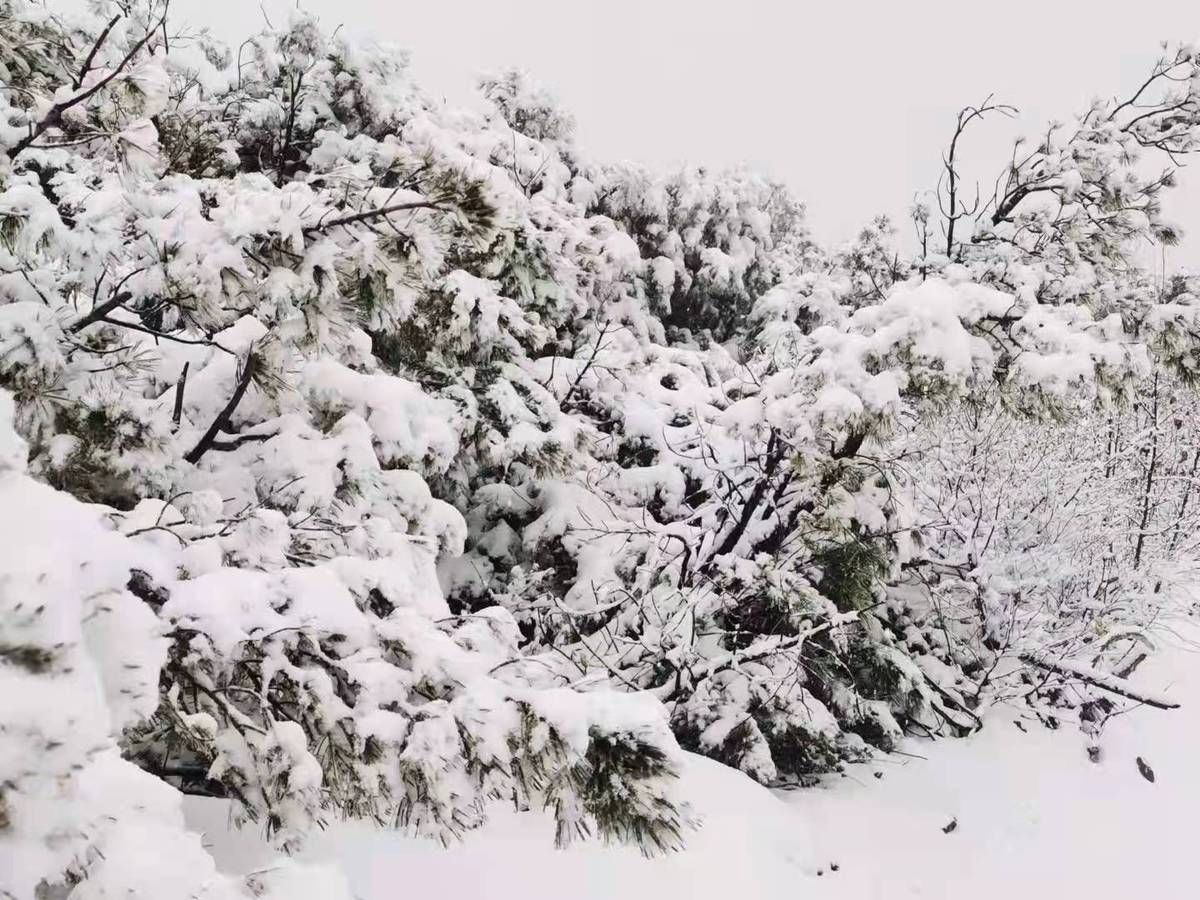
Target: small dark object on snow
{"x":878,"y":774}
{"x":833,"y":867}
{"x":1017,"y":722}
{"x":1144,"y":768}
{"x":950,"y":826}
{"x":1094,"y":754}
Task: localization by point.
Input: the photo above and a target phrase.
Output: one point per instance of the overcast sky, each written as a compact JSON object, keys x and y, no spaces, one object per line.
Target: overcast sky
{"x":849,"y":103}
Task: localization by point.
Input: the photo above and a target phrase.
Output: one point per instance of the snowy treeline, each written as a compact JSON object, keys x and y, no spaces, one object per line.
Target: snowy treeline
{"x":362,"y":456}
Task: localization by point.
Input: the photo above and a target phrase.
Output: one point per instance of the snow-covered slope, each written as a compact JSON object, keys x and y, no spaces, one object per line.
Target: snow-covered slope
{"x":1034,"y":819}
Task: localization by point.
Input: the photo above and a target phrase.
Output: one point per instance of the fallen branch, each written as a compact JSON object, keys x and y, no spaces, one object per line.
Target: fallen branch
{"x":952,"y":703}
{"x":750,"y":654}
{"x":1101,"y":680}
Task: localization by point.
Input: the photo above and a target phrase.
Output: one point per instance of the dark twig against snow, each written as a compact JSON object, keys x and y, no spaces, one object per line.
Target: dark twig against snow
{"x":370,"y":214}
{"x":221,"y":422}
{"x":1101,"y":680}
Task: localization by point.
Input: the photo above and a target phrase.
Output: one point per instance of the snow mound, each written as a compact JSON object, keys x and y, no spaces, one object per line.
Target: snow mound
{"x":750,"y":846}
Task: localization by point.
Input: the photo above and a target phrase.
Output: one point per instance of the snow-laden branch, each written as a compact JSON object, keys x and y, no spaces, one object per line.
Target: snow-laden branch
{"x":1097,"y":679}
{"x":54,"y":116}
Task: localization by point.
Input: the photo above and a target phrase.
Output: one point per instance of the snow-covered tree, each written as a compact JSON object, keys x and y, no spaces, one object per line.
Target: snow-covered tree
{"x":198,"y":261}
{"x":750,"y":539}
{"x":80,"y":659}
{"x":420,"y":462}
{"x":714,"y":242}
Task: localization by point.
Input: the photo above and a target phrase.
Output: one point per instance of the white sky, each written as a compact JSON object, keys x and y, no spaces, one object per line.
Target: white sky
{"x":850,"y":103}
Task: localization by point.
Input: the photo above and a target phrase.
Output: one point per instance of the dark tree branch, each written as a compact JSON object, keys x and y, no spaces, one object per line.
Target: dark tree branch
{"x":957,"y":210}
{"x":373,"y":214}
{"x":289,"y":131}
{"x":854,"y":442}
{"x":240,"y":439}
{"x":586,"y":367}
{"x":177,"y":413}
{"x":1129,"y":693}
{"x":133,"y":326}
{"x":87,"y":63}
{"x":100,"y":310}
{"x":221,"y":422}
{"x":1014,"y":197}
{"x":775,"y":454}
{"x":53,"y":118}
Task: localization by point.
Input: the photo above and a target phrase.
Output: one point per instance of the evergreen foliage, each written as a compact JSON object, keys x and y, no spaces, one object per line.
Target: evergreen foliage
{"x":408,"y":461}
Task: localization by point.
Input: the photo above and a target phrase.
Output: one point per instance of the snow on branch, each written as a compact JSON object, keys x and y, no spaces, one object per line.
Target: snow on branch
{"x":1103,"y":680}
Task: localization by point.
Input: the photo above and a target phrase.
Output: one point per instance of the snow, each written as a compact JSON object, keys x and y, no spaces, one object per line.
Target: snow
{"x":1033,"y":818}
{"x":407,"y":424}
{"x":750,"y":845}
{"x":260,"y":413}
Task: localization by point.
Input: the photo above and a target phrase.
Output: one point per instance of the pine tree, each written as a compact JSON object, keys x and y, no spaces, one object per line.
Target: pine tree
{"x":419,"y":462}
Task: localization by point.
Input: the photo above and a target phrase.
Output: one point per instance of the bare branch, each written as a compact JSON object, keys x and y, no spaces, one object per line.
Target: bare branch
{"x":177,"y":413}
{"x":87,"y":63}
{"x":950,"y":164}
{"x":221,"y":422}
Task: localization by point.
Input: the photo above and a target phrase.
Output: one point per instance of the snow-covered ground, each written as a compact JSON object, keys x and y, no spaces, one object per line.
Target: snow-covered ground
{"x":751,"y":845}
{"x":1034,"y":819}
